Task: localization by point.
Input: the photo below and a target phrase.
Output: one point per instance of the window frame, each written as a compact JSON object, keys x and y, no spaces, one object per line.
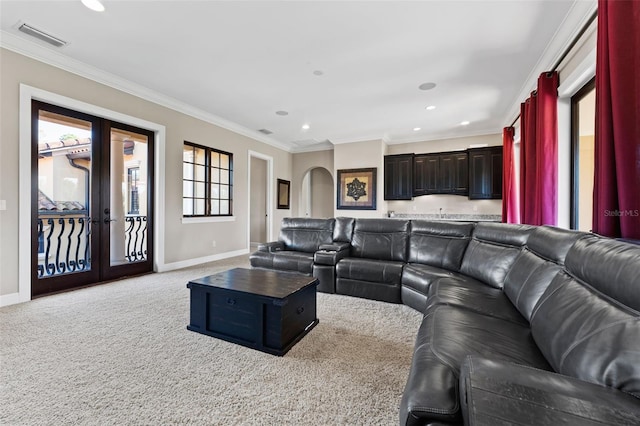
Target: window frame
{"x":208,"y":168}
{"x":574,"y":201}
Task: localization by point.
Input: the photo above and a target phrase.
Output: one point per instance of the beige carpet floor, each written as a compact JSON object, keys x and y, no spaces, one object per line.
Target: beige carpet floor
{"x":120,"y":354}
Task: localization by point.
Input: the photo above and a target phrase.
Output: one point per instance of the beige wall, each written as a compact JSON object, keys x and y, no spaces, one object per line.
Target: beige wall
{"x":357,"y":155}
{"x":303,"y":163}
{"x":322,"y":201}
{"x":258,"y":194}
{"x":585,"y":185}
{"x":450,"y":204}
{"x":185,"y":242}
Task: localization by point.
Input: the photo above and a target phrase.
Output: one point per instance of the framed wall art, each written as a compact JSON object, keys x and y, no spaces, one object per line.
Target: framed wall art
{"x":284,"y":189}
{"x":357,"y":189}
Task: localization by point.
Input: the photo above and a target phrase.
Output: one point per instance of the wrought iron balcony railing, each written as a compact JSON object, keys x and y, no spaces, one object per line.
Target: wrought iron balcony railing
{"x":63,"y":242}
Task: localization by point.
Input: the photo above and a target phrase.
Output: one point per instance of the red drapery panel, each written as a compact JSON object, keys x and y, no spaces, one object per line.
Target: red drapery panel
{"x":539,"y":154}
{"x":616,"y":201}
{"x":510,"y":213}
{"x":547,"y":150}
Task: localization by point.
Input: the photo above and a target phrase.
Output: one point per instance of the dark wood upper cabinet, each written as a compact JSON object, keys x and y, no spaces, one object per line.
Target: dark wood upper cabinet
{"x":440,"y":173}
{"x":485,"y":173}
{"x":475,"y":172}
{"x":398,"y":174}
{"x":426,"y":174}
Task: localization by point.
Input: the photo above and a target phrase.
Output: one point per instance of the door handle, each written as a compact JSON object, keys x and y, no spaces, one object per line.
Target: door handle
{"x":107,"y":220}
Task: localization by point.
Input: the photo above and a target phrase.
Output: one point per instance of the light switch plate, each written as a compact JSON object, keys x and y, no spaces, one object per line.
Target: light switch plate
{"x":3,"y":204}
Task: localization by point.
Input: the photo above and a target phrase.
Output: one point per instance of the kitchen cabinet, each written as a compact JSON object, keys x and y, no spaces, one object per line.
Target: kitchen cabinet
{"x":398,"y":174}
{"x":485,"y":173}
{"x":440,"y":173}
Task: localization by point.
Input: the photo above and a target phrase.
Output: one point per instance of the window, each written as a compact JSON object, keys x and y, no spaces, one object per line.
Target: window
{"x":583,"y":107}
{"x":207,"y":181}
{"x":133,"y":180}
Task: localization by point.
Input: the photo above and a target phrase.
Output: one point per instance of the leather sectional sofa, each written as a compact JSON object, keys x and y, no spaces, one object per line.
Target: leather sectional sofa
{"x":522,"y":324}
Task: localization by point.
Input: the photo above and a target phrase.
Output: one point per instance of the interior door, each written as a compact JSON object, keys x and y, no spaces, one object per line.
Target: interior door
{"x":92,"y":198}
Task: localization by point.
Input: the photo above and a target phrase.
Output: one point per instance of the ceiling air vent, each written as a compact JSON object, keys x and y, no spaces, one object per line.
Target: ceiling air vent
{"x":265,"y":131}
{"x":41,"y":35}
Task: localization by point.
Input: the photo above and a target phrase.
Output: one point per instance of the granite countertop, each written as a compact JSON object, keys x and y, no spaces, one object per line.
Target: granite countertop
{"x":452,"y":217}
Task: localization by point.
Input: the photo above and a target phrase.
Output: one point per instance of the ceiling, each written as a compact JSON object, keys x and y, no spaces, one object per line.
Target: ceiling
{"x":350,"y":70}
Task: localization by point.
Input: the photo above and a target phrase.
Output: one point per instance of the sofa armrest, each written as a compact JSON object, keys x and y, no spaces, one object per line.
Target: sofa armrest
{"x":331,"y":254}
{"x":271,"y":247}
{"x":337,"y":246}
{"x":498,"y":392}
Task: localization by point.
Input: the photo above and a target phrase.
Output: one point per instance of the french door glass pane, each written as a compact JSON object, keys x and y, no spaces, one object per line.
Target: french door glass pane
{"x":128,"y":210}
{"x":64,"y":198}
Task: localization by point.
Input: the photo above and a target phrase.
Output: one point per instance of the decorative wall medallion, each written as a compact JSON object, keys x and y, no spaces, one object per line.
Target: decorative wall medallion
{"x":357,"y":189}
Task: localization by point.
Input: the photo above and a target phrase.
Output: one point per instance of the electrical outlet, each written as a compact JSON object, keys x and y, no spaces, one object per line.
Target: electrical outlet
{"x":213,"y":243}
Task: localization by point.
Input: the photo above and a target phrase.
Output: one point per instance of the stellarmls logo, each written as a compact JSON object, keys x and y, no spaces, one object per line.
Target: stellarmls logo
{"x":621,"y":213}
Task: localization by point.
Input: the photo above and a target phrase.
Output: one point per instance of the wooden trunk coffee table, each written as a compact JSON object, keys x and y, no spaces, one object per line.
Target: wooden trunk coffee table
{"x":265,"y":310}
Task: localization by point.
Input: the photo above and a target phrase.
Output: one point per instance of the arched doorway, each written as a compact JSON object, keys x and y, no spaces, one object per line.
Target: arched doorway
{"x":317,"y":199}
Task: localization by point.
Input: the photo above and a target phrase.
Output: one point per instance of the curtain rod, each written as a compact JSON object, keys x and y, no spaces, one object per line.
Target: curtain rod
{"x":568,"y":49}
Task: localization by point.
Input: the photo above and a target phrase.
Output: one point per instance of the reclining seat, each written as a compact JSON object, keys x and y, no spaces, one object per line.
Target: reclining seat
{"x":587,"y":322}
{"x":436,"y":250}
{"x":449,"y":331}
{"x":377,"y":254}
{"x":299,"y":239}
{"x":587,"y":325}
{"x":532,"y":272}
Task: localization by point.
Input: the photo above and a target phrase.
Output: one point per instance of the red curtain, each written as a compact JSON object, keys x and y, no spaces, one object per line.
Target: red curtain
{"x":510,"y":212}
{"x":539,"y":154}
{"x":616,"y":201}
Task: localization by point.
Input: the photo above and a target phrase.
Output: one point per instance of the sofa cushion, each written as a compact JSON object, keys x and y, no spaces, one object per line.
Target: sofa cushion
{"x":382,"y":239}
{"x":446,"y":336}
{"x":370,"y":270}
{"x":468,"y":293}
{"x":492,"y":251}
{"x":440,"y":244}
{"x":420,"y":277}
{"x":302,"y":234}
{"x":537,"y":265}
{"x":587,"y":322}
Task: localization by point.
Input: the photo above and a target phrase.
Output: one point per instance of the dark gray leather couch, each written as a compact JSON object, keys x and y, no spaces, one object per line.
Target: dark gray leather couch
{"x":299,"y":240}
{"x":538,"y":312}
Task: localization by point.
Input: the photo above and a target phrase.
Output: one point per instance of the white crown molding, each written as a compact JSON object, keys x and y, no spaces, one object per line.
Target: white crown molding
{"x":443,"y":136}
{"x":54,"y":58}
{"x":323,"y":146}
{"x":576,"y":19}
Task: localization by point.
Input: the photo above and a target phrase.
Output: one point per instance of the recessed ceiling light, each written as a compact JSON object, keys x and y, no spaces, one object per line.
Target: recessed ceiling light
{"x":427,"y":86}
{"x":305,"y":127}
{"x":465,"y":123}
{"x":94,"y":5}
{"x":282,"y":113}
{"x":415,"y":129}
{"x":318,"y":72}
{"x":431,"y":108}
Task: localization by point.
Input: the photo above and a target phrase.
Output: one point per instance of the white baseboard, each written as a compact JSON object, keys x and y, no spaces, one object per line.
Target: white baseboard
{"x":200,"y":260}
{"x":11,"y":299}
